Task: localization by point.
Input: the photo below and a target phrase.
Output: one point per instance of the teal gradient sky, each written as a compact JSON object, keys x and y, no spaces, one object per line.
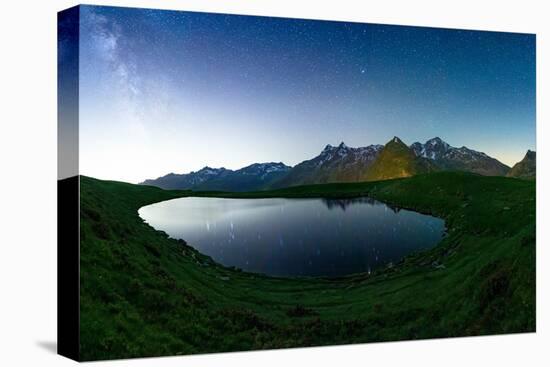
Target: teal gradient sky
{"x":164,"y":91}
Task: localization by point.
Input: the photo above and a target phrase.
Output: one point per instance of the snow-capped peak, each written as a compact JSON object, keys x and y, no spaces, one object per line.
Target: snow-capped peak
{"x":396,"y":140}
{"x":274,"y":167}
{"x":437,"y":141}
{"x":432,"y":149}
{"x":263,"y":168}
{"x":328,"y":148}
{"x":343,"y":153}
{"x":210,"y":171}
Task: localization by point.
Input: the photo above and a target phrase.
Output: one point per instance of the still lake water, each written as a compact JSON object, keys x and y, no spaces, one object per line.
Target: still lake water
{"x":296,"y":237}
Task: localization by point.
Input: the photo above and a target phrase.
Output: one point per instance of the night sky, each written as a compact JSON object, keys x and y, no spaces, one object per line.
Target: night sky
{"x":166,"y":91}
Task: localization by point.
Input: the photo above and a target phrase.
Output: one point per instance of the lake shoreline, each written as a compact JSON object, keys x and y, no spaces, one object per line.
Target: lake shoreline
{"x":324,"y":214}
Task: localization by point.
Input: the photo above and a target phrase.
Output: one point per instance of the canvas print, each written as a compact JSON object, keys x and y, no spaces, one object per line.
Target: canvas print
{"x":234,"y":183}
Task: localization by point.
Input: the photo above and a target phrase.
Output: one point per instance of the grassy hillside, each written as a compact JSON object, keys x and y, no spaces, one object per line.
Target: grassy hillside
{"x":144,"y":294}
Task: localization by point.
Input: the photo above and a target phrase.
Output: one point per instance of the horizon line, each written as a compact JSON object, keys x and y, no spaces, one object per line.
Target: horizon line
{"x":335,"y":146}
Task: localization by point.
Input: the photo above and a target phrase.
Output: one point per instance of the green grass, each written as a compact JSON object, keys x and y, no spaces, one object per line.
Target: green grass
{"x":144,"y":294}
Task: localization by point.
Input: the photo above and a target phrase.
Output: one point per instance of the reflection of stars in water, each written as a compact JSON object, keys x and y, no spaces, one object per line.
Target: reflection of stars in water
{"x":267,"y":248}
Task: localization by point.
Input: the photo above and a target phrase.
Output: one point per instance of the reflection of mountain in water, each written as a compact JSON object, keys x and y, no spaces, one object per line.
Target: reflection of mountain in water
{"x":344,"y":203}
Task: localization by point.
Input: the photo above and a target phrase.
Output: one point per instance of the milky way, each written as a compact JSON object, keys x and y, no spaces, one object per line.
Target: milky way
{"x":165,"y":91}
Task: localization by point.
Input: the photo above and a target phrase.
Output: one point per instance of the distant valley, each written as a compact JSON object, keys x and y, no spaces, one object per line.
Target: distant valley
{"x":347,"y":164}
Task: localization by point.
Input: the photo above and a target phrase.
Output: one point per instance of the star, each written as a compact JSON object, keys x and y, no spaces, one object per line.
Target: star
{"x":246,"y":76}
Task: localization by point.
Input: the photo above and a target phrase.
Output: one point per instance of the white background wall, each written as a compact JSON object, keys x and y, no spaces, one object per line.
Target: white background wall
{"x":28,"y":183}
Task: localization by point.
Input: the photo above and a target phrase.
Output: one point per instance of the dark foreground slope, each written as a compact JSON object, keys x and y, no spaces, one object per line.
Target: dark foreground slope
{"x":144,"y":294}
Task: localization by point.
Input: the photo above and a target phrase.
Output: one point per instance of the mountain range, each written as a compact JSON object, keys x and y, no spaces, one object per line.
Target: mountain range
{"x":346,"y":164}
{"x":335,"y":164}
{"x":447,"y":157}
{"x":257,"y":176}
